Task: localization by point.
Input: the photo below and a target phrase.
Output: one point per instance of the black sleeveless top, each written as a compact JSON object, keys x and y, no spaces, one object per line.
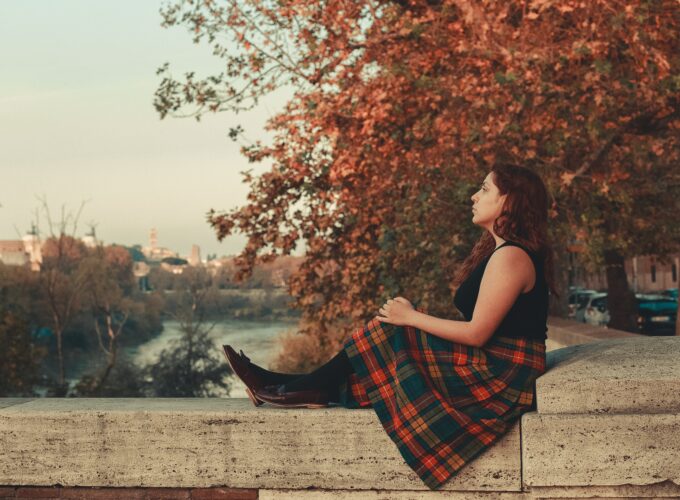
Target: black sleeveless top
{"x":528,"y":316}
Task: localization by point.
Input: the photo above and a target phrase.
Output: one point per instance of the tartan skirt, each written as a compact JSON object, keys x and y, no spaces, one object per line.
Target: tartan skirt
{"x":441,"y":402}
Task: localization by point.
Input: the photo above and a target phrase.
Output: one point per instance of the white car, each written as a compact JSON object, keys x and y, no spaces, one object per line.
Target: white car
{"x":596,"y":311}
{"x":578,"y":299}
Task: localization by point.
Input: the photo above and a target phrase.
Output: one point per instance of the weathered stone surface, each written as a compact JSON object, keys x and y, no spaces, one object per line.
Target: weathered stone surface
{"x":666,"y":489}
{"x":189,"y":442}
{"x":7,"y":402}
{"x":632,"y":375}
{"x":386,"y":495}
{"x":600,"y":450}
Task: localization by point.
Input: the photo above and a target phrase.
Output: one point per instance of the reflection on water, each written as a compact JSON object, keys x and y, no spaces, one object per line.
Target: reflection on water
{"x":256,"y":338}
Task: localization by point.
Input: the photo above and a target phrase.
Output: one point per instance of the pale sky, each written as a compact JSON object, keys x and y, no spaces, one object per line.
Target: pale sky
{"x":77,"y":123}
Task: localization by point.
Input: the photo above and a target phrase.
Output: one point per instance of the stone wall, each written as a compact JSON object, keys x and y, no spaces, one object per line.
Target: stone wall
{"x":607,"y":425}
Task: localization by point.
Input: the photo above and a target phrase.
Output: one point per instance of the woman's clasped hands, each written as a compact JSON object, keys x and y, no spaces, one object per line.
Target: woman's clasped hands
{"x":397,"y":311}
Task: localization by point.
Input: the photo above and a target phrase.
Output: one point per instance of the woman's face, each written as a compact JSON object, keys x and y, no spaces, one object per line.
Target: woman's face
{"x":487,"y":203}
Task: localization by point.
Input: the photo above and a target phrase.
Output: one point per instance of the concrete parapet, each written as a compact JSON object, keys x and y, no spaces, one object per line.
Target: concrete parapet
{"x":607,"y":425}
{"x":219,"y":442}
{"x":624,"y":375}
{"x":600,"y":450}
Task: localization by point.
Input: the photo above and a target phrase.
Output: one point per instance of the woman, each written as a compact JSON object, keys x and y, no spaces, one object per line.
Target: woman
{"x":446,"y":390}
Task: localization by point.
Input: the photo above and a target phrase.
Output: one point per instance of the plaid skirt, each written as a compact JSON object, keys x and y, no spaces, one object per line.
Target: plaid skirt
{"x":442,"y":403}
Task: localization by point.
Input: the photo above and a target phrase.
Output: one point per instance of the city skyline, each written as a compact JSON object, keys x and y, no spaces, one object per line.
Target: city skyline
{"x":77,"y":124}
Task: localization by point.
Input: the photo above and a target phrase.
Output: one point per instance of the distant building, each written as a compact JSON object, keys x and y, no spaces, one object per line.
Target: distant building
{"x":141,"y":271}
{"x":155,"y":253}
{"x":90,"y":239}
{"x":13,"y":252}
{"x":175,"y":265}
{"x":23,"y":252}
{"x":645,"y":273}
{"x":195,"y":257}
{"x":214,"y":266}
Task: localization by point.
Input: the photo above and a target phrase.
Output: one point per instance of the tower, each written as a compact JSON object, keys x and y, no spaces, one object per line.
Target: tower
{"x":195,"y":257}
{"x":90,"y":239}
{"x":153,"y":239}
{"x":32,"y":247}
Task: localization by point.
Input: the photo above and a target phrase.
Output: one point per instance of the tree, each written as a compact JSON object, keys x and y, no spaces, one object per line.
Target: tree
{"x":401,"y":107}
{"x":109,"y":281}
{"x":187,"y":368}
{"x":61,"y":282}
{"x":19,"y":356}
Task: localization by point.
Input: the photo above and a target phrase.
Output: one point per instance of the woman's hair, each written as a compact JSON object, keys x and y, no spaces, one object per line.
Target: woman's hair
{"x":523,"y":219}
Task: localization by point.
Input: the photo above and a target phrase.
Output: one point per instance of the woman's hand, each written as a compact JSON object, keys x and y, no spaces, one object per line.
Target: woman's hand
{"x":397,"y":311}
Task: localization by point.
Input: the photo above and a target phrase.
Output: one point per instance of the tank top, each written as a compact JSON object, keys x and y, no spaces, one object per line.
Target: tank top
{"x":528,"y":316}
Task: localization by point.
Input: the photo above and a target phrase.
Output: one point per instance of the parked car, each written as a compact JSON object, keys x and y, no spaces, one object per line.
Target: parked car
{"x":595,"y":312}
{"x":578,"y":299}
{"x":657,"y":314}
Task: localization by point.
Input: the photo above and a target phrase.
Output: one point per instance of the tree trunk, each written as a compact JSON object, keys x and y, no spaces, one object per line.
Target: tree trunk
{"x":62,"y":386}
{"x":620,"y":298}
{"x":560,"y":306}
{"x":107,"y":371}
{"x":677,"y":323}
{"x":60,"y":356}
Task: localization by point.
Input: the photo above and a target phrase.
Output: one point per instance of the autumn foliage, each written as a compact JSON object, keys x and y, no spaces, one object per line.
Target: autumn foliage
{"x":401,"y":107}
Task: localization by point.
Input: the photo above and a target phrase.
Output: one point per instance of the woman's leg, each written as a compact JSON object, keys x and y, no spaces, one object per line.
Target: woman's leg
{"x":274,"y":378}
{"x":328,"y":377}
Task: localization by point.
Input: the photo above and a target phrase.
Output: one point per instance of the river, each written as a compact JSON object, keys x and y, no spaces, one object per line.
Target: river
{"x":256,"y":338}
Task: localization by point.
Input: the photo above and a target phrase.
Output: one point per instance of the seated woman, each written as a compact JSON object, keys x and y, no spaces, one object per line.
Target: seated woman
{"x":446,"y":390}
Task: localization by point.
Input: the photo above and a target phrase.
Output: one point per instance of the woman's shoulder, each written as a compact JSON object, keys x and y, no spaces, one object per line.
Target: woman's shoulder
{"x":512,"y":256}
{"x":509,"y":244}
{"x":511,"y":251}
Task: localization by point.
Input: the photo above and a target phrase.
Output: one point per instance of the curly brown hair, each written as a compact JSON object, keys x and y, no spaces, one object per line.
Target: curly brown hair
{"x":523,"y":219}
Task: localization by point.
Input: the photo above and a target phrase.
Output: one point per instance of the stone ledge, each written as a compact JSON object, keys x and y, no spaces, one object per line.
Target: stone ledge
{"x":6,"y":402}
{"x":600,"y":450}
{"x":627,"y":375}
{"x":97,"y":493}
{"x":187,"y":442}
{"x":388,"y":495}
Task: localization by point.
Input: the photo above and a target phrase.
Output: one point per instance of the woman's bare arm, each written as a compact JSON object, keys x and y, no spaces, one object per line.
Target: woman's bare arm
{"x":507,"y":273}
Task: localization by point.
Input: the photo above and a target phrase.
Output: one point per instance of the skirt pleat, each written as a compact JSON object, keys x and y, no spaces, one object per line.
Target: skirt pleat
{"x":442,"y":403}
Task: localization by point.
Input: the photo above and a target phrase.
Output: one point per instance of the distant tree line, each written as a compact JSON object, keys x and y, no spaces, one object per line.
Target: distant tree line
{"x":82,"y":300}
{"x":86,"y":302}
{"x":265,"y":276}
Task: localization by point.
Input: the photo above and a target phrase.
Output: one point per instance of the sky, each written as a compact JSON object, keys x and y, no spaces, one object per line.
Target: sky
{"x":77,"y":124}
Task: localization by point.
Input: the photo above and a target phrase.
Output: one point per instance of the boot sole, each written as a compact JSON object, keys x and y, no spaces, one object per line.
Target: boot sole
{"x":250,"y":394}
{"x":299,"y":405}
